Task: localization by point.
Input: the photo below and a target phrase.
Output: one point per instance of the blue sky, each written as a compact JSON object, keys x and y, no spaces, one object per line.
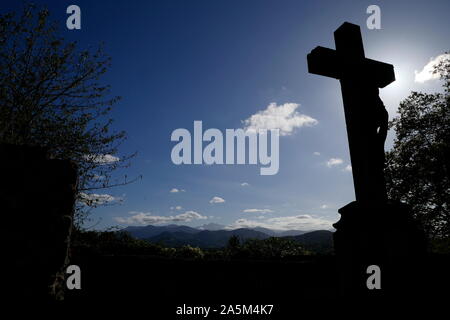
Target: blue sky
{"x":222,"y":62}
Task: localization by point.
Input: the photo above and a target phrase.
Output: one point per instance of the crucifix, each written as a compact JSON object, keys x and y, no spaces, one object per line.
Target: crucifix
{"x":365,"y":115}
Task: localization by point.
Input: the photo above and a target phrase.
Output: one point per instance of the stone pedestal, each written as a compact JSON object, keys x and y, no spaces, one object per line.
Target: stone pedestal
{"x":384,"y":235}
{"x":37,"y":197}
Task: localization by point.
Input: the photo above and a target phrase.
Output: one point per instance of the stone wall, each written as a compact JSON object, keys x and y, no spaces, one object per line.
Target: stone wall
{"x":37,"y":197}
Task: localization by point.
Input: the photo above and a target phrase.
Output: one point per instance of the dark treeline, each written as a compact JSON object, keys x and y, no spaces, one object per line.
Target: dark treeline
{"x":118,"y":243}
{"x":121,"y":243}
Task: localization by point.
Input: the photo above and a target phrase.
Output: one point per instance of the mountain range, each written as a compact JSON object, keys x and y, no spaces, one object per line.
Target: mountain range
{"x":145,"y":232}
{"x":215,"y":236}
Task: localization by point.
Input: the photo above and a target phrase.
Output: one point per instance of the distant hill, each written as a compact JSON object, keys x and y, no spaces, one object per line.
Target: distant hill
{"x":212,"y":235}
{"x":144,"y":232}
{"x":278,"y":233}
{"x":211,"y":227}
{"x":206,"y":238}
{"x":320,"y":241}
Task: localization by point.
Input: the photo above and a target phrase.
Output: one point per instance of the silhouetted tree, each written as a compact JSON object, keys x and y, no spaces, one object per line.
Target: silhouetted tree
{"x":272,"y":248}
{"x":233,"y":243}
{"x":189,"y":252}
{"x":418,"y":166}
{"x":50,"y":96}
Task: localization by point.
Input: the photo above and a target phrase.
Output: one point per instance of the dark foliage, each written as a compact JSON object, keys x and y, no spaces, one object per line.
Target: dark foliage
{"x":51,"y":96}
{"x":88,"y":243}
{"x":418,"y":167}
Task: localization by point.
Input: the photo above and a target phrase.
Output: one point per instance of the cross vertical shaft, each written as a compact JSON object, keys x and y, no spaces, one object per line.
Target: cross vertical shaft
{"x":365,"y":115}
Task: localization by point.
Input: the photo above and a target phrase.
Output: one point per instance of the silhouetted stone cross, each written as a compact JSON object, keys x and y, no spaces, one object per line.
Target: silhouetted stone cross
{"x":365,"y":115}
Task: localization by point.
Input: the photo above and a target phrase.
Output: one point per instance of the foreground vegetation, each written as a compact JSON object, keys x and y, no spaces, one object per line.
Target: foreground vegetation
{"x":121,"y":243}
{"x":88,"y":243}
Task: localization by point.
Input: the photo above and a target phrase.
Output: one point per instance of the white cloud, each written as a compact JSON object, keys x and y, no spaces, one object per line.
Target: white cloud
{"x":257,"y":211}
{"x":283,"y":117}
{"x":101,"y":158}
{"x":347,"y":168}
{"x":316,"y":153}
{"x":244,"y":184}
{"x":334,"y":162}
{"x":142,"y":218}
{"x":302,"y":222}
{"x":217,"y":200}
{"x":98,"y":199}
{"x":175,"y":190}
{"x":427,"y":72}
{"x":324,"y":206}
{"x":176,"y":208}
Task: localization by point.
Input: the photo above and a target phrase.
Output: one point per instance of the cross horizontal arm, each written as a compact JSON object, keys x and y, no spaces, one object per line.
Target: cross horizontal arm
{"x":330,"y":63}
{"x":380,"y":73}
{"x":324,"y":62}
